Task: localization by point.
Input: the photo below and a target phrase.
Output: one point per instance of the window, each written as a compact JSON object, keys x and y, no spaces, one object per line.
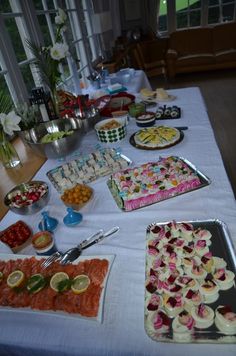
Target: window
{"x":35,"y":20}
{"x":188,"y":13}
{"x":221,"y":11}
{"x":180,"y":14}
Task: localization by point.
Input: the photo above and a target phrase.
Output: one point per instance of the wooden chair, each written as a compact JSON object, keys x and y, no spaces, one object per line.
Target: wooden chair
{"x":150,"y":56}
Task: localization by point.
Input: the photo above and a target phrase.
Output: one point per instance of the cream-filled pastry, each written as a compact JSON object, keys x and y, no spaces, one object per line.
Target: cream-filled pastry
{"x":202,"y":234}
{"x":187,"y":282}
{"x":157,"y":323}
{"x":186,"y":231}
{"x":198,"y":272}
{"x":192,"y":298}
{"x":203,"y":316}
{"x":208,"y":262}
{"x":224,"y":278}
{"x":174,"y":228}
{"x":225,"y":320}
{"x":154,"y":302}
{"x":190,"y":262}
{"x":183,"y":326}
{"x":209,"y":290}
{"x":201,"y":247}
{"x":173,"y":305}
{"x":219,"y":262}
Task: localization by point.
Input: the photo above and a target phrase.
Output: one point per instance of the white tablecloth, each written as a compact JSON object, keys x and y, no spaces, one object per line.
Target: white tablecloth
{"x":137,"y":82}
{"x":122,"y":331}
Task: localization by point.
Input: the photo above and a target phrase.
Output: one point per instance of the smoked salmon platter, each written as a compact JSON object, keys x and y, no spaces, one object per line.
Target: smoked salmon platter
{"x":75,"y":290}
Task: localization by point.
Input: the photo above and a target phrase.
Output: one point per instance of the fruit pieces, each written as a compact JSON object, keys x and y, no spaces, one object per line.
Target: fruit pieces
{"x":80,"y":283}
{"x":80,"y":194}
{"x":15,"y":279}
{"x":16,"y":234}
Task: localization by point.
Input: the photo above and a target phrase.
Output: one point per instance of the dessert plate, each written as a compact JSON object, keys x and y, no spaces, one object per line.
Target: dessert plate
{"x":190,"y":320}
{"x":98,"y":292}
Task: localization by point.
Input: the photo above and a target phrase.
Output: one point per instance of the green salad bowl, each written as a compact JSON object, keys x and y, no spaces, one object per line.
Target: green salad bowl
{"x":65,"y":136}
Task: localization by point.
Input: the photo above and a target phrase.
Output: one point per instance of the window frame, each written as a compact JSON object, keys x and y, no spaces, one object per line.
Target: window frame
{"x":84,"y":41}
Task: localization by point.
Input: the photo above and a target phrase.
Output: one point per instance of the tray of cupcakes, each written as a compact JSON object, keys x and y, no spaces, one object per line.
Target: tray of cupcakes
{"x":190,"y":282}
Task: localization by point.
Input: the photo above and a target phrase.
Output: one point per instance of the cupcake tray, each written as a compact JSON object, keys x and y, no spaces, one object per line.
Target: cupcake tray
{"x":222,"y":246}
{"x":205,"y":181}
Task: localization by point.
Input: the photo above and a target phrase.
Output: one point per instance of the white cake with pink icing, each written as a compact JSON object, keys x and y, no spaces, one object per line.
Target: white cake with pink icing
{"x":151,"y":182}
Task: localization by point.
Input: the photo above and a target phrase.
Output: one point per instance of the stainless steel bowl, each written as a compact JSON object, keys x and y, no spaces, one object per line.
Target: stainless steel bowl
{"x":58,"y":148}
{"x":27,"y":209}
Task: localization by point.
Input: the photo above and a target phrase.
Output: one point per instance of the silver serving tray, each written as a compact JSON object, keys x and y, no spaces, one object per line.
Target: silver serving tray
{"x":222,"y":246}
{"x":59,"y":169}
{"x":203,"y":178}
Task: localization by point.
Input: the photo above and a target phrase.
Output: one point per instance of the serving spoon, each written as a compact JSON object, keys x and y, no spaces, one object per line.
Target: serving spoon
{"x":73,"y":253}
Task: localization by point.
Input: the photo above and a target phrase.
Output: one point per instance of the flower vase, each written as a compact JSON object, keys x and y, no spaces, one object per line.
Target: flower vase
{"x":8,"y":155}
{"x":55,"y":104}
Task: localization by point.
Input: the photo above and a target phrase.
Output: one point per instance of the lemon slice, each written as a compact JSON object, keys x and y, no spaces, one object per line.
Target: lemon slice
{"x":35,"y":283}
{"x":15,"y":279}
{"x":56,"y":279}
{"x":80,"y":283}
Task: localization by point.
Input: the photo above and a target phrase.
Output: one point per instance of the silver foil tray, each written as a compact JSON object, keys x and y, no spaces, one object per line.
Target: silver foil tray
{"x":222,"y":246}
{"x":203,"y":178}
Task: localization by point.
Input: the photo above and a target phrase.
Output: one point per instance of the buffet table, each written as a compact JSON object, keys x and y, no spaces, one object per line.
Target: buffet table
{"x":122,"y":330}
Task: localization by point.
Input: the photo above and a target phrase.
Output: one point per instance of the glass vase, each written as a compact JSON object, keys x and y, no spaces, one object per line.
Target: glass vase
{"x":8,"y":155}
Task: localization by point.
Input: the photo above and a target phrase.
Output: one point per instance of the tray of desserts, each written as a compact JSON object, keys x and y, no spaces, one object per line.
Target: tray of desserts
{"x":88,"y":168}
{"x":190,"y":282}
{"x":152,"y":182}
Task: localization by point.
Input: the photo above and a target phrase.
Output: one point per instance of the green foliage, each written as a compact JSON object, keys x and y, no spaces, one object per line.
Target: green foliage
{"x":5,"y":102}
{"x":46,"y":65}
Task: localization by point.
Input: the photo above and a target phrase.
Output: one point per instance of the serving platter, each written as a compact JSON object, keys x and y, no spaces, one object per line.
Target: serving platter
{"x":88,"y":168}
{"x":59,"y":313}
{"x":221,"y":248}
{"x":204,"y":181}
{"x":144,"y":147}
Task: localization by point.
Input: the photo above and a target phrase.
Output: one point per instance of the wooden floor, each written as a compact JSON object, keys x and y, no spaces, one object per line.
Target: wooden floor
{"x":219,"y":92}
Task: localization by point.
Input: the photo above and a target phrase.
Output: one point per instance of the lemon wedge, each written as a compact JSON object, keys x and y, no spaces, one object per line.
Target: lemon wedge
{"x":15,"y":279}
{"x":56,"y":280}
{"x":35,"y":283}
{"x":80,"y":283}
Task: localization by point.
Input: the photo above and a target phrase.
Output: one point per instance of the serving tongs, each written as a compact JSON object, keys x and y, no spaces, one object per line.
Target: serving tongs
{"x":72,"y":254}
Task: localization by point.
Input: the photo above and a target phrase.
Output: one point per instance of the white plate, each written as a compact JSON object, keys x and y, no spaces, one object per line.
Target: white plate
{"x":109,"y":258}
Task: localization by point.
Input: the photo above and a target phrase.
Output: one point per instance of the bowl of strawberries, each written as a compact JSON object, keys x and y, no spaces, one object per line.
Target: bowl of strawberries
{"x":27,"y":198}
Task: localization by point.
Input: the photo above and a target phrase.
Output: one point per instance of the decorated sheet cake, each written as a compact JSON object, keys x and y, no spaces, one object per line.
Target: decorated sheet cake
{"x":189,"y":291}
{"x":134,"y":188}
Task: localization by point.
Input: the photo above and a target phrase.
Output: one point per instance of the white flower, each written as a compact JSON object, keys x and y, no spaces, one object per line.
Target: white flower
{"x":10,"y":122}
{"x":60,"y":19}
{"x":59,"y":51}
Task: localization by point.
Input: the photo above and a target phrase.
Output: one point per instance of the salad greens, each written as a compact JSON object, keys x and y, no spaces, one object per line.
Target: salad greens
{"x":50,"y":137}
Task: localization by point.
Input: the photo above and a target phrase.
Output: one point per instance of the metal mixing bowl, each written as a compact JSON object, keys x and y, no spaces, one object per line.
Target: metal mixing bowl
{"x":26,"y":187}
{"x":58,"y":148}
